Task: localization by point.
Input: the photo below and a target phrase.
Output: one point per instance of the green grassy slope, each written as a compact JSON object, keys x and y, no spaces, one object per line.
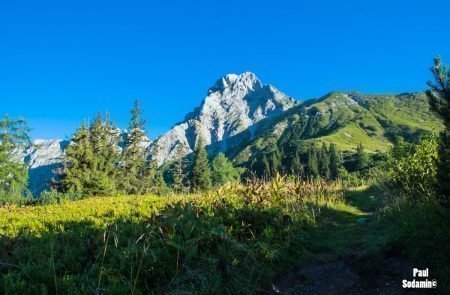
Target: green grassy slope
{"x":346,"y":119}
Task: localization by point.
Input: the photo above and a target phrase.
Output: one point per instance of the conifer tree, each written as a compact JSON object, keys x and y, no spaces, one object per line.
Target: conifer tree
{"x":324,"y":161}
{"x":335,"y":161}
{"x":159,"y":184}
{"x":91,"y":159}
{"x":275,"y":162}
{"x":223,"y":170}
{"x":178,"y":169}
{"x":362,"y":158}
{"x":265,"y":166}
{"x":313,"y":165}
{"x":296,"y":165}
{"x":104,"y":144}
{"x":79,"y":162}
{"x":201,"y":173}
{"x":13,"y":174}
{"x":439,"y":100}
{"x":136,"y":171}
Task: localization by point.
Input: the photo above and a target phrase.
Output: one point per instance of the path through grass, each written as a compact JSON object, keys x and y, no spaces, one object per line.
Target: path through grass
{"x":350,"y":251}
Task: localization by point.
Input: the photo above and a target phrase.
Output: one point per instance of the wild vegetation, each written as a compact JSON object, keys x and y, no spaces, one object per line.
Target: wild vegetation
{"x":165,"y":244}
{"x":115,"y":223}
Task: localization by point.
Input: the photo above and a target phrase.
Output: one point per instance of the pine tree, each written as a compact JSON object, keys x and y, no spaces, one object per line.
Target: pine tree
{"x":79,"y":162}
{"x":296,"y":165}
{"x":201,"y":173}
{"x":439,"y":94}
{"x":91,"y":159}
{"x":178,"y":169}
{"x":136,"y":171}
{"x":223,"y":171}
{"x":439,"y":100}
{"x":362,"y":158}
{"x":159,"y":184}
{"x":335,"y":161}
{"x":275,"y":162}
{"x":13,"y":174}
{"x":313,"y":165}
{"x":324,"y":161}
{"x":266,"y":171}
{"x":104,"y":142}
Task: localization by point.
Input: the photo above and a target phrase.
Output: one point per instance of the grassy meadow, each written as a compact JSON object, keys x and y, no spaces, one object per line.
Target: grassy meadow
{"x":230,"y":240}
{"x":236,"y":239}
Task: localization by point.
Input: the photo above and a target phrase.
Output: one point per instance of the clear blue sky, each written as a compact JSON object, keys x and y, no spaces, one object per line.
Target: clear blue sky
{"x":63,"y":61}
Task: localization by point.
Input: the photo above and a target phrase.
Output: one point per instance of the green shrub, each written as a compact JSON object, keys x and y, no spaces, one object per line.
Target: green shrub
{"x":412,"y":169}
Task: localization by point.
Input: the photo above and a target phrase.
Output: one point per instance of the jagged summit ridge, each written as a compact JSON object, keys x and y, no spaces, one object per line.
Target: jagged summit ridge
{"x":232,"y":105}
{"x":246,"y":80}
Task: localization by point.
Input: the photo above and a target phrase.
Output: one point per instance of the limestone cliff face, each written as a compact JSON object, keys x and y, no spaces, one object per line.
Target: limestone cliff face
{"x":232,"y":106}
{"x":43,"y":157}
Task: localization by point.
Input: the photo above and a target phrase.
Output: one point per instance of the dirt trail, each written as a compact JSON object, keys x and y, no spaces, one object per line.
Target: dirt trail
{"x":343,"y":260}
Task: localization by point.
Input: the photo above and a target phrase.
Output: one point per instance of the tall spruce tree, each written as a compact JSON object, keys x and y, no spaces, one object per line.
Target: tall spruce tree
{"x":13,"y":174}
{"x":223,"y":170}
{"x":79,"y":162}
{"x":324,"y":161}
{"x":275,"y":162}
{"x":439,"y":100}
{"x":104,"y":140}
{"x":296,"y":165}
{"x":201,"y":173}
{"x":362,"y":158}
{"x":313,"y":162}
{"x":91,"y":159}
{"x":137,"y":172}
{"x":266,"y":171}
{"x":335,"y":161}
{"x":178,"y":169}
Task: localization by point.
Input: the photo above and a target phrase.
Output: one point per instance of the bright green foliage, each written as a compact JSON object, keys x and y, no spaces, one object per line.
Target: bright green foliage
{"x":91,"y":157}
{"x":137,"y":172}
{"x":201,"y":173}
{"x":439,"y":99}
{"x":79,"y":162}
{"x":225,"y":241}
{"x":374,"y":120}
{"x":362,"y":158}
{"x":178,"y":169}
{"x":412,"y":168}
{"x":223,"y":171}
{"x":13,"y":174}
{"x":103,"y":140}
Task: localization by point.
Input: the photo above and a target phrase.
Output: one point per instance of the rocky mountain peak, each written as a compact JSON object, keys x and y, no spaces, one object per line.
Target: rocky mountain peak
{"x":233,"y":82}
{"x":232,"y":105}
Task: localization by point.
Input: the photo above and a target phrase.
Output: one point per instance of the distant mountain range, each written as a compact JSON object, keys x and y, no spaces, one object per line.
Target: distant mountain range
{"x":242,"y":117}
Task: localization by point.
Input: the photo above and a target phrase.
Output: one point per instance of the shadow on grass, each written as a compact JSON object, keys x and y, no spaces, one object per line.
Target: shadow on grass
{"x":358,"y":249}
{"x":216,"y":249}
{"x":212,"y":249}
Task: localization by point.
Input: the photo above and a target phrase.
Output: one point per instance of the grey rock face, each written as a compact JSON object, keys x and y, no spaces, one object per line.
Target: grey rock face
{"x":43,"y":157}
{"x":232,"y":106}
